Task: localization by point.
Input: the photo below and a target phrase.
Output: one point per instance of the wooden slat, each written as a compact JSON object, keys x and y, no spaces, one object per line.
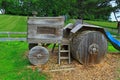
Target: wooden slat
{"x":64,"y":57}
{"x":76,"y":28}
{"x":69,"y":26}
{"x":64,"y":50}
{"x":66,"y":69}
{"x":13,"y":39}
{"x":13,"y":32}
{"x":59,"y":48}
{"x":45,"y":40}
{"x":47,"y":21}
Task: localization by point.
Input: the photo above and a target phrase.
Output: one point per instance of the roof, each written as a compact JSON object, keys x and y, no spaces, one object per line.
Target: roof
{"x":79,"y":26}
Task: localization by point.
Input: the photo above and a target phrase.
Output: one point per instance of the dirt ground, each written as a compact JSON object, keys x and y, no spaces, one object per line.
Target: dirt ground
{"x":108,"y":69}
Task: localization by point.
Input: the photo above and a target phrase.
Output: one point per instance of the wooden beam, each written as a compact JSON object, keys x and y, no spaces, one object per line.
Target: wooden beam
{"x":76,"y":28}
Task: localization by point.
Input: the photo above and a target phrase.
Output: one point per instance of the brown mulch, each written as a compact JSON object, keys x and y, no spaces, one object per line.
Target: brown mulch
{"x":108,"y":69}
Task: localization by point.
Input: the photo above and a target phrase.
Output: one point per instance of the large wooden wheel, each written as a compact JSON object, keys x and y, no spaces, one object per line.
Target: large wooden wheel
{"x":89,"y":47}
{"x":38,"y":55}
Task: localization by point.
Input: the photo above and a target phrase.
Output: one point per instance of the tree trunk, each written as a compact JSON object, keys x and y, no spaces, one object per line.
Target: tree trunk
{"x":118,"y":23}
{"x":115,"y":16}
{"x":118,"y":26}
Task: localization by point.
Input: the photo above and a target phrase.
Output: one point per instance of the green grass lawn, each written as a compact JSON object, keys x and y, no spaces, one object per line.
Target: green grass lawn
{"x":105,"y":24}
{"x":14,"y":62}
{"x":10,"y":23}
{"x":109,"y":26}
{"x":111,"y":48}
{"x":13,"y":23}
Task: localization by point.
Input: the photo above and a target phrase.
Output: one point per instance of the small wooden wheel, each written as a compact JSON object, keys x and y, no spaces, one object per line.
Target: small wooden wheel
{"x":38,"y":55}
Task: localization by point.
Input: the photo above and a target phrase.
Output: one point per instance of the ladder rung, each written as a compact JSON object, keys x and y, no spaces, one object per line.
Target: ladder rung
{"x":64,"y":57}
{"x":65,"y":44}
{"x":64,"y":50}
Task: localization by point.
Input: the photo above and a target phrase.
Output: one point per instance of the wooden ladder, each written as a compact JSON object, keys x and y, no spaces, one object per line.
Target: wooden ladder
{"x":65,"y":43}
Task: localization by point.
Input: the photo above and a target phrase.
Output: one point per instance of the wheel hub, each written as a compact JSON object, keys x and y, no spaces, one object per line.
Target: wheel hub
{"x":93,"y":48}
{"x":39,"y":55}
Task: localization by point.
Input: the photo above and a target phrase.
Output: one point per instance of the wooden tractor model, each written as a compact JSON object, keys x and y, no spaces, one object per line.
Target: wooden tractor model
{"x":85,"y":43}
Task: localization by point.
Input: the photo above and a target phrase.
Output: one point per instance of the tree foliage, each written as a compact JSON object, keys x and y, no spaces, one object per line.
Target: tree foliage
{"x":87,"y":9}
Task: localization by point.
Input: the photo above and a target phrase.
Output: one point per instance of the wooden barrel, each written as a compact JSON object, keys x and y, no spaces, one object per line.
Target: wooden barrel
{"x":88,"y":47}
{"x":38,"y":55}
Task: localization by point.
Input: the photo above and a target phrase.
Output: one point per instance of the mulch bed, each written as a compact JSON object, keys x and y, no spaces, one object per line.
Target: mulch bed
{"x":108,"y":69}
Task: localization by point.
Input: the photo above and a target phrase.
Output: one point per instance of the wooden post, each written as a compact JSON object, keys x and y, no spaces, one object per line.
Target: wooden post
{"x":59,"y":53}
{"x":8,"y":34}
{"x":53,"y":48}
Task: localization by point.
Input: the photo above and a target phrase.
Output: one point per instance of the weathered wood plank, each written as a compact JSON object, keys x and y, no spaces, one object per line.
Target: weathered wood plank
{"x":89,"y":47}
{"x":44,"y":40}
{"x":45,"y":29}
{"x":13,"y":32}
{"x":69,"y":26}
{"x":13,"y":39}
{"x":76,"y":28}
{"x":66,"y":69}
{"x":46,"y":21}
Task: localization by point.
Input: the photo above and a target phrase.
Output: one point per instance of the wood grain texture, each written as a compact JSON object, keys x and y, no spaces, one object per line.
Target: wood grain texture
{"x":45,"y":29}
{"x":89,"y":47}
{"x":38,"y":55}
